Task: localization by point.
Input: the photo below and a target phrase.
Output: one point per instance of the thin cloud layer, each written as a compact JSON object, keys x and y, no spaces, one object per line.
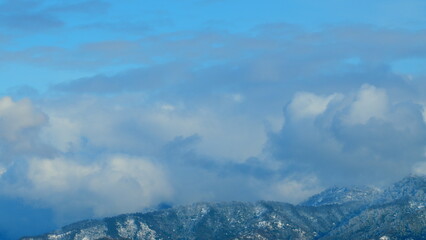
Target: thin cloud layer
{"x":25,"y":16}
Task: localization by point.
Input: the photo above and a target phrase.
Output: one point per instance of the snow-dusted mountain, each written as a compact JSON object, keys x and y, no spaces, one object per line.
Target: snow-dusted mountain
{"x":340,"y":195}
{"x":338,"y":213}
{"x":412,"y":188}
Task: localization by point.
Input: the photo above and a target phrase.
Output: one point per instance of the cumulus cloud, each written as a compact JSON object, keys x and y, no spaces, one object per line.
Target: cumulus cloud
{"x":45,"y":160}
{"x":364,"y":139}
{"x":113,"y":185}
{"x":205,"y":147}
{"x":62,"y":133}
{"x":371,"y":103}
{"x":17,"y":118}
{"x":363,"y":136}
{"x":20,"y":126}
{"x":305,"y":105}
{"x":144,"y":128}
{"x":86,"y":137}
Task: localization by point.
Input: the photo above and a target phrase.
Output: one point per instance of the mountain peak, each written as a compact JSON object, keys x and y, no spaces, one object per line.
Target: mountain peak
{"x":412,"y":187}
{"x":341,"y":195}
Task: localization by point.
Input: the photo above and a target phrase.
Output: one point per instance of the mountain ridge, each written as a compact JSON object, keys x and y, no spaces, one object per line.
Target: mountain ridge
{"x":398,"y":212}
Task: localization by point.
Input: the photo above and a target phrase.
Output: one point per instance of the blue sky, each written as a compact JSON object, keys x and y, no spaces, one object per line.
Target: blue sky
{"x":175,"y":102}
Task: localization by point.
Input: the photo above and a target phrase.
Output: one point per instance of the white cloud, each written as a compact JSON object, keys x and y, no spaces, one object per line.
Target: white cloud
{"x":343,"y":143}
{"x":420,"y":168}
{"x":371,"y":102}
{"x":141,"y":128}
{"x":17,"y":118}
{"x":20,"y":126}
{"x":307,"y":105}
{"x":294,"y":190}
{"x":115,"y":185}
{"x":62,"y":133}
{"x":327,"y":136}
